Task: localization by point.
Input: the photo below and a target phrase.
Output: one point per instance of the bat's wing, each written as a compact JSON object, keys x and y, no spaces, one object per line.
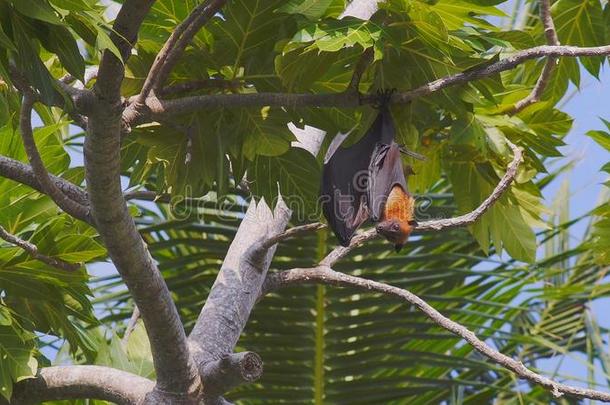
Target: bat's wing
{"x":386,"y":171}
{"x":385,"y":168}
{"x":345,"y":179}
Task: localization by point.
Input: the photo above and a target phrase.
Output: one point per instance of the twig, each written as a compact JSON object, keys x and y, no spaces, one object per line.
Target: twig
{"x":32,"y":250}
{"x":291,"y":233}
{"x":133,"y":321}
{"x":439,"y":224}
{"x":40,"y":171}
{"x":325,"y":275}
{"x":549,"y":66}
{"x":175,"y":45}
{"x":363,"y":62}
{"x":471,"y":217}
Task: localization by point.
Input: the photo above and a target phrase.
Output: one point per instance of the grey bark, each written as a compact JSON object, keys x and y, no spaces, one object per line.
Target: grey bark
{"x":236,"y":289}
{"x":75,"y":382}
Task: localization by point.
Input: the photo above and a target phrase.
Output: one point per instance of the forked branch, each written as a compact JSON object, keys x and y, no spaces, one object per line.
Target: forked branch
{"x":547,"y":71}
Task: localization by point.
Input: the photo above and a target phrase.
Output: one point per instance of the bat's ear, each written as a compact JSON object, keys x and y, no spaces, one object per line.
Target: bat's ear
{"x":413,"y":222}
{"x":398,"y":247}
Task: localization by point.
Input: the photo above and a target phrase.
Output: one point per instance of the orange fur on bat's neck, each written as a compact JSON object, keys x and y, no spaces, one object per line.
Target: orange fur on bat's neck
{"x":400,"y":206}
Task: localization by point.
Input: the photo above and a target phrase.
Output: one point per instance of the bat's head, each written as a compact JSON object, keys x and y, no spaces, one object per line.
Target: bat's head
{"x":395,"y":231}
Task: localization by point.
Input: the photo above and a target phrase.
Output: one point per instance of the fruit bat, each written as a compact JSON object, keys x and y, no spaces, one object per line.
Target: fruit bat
{"x":367,"y":181}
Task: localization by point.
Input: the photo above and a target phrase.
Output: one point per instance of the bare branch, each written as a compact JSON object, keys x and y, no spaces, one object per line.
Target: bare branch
{"x":325,"y":275}
{"x":439,"y":224}
{"x":133,"y":321}
{"x":32,"y":250}
{"x":472,"y":217}
{"x":80,"y":382}
{"x":176,"y":44}
{"x":47,"y":184}
{"x":549,"y":66}
{"x":290,"y":233}
{"x":160,"y":109}
{"x":22,"y":173}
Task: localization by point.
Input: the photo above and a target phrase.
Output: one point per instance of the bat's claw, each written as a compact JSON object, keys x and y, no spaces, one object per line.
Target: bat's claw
{"x":383,"y":98}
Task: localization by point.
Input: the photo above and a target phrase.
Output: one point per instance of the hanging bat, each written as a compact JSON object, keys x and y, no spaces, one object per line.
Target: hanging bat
{"x":367,"y":181}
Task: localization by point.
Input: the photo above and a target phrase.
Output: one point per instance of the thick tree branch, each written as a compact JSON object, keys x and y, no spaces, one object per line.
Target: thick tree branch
{"x":80,"y":382}
{"x":47,"y":184}
{"x":157,"y":109}
{"x":439,"y":224}
{"x":235,"y":292}
{"x":549,"y":66}
{"x":22,"y":173}
{"x":325,"y":275}
{"x":176,"y":375}
{"x":32,"y":250}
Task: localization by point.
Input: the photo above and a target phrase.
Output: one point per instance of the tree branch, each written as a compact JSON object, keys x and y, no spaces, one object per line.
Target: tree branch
{"x":439,"y":224}
{"x":40,"y":172}
{"x":131,"y":325}
{"x":15,"y":170}
{"x":176,"y":44}
{"x":289,"y":233}
{"x":549,"y":66}
{"x":32,"y":250}
{"x":325,"y":275}
{"x":161,"y":109}
{"x":176,"y":375}
{"x":235,"y":291}
{"x":78,"y":382}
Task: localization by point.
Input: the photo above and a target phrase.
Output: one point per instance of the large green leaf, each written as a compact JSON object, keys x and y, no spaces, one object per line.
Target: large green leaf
{"x":581,"y":22}
{"x":17,"y":360}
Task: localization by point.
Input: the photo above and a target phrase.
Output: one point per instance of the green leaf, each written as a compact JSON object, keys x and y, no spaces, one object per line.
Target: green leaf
{"x":334,"y":35}
{"x":247,"y":38}
{"x":312,"y":9}
{"x":601,"y":137}
{"x":38,"y":10}
{"x":295,"y":174}
{"x":74,"y":5}
{"x":29,"y":62}
{"x":6,"y":42}
{"x":581,"y":22}
{"x":60,"y":41}
{"x":266,"y":132}
{"x":17,"y":360}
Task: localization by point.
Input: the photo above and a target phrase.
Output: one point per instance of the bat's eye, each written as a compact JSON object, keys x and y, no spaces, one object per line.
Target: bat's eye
{"x":395,"y":227}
